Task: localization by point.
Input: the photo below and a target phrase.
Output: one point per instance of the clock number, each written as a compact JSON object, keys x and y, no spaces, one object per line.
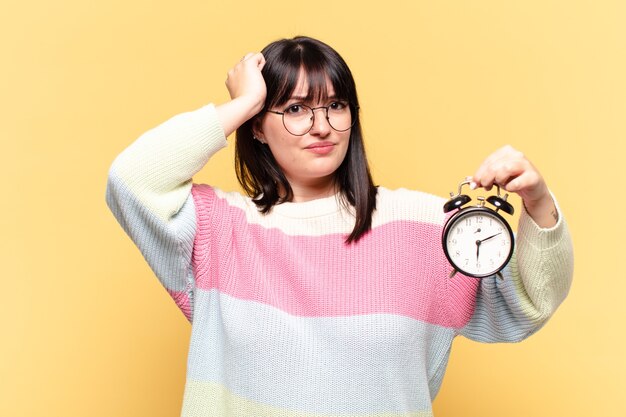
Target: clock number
{"x":468,"y":222}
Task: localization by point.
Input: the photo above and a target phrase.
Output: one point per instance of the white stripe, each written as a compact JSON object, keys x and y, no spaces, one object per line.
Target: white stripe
{"x":360,"y":364}
{"x":325,"y":216}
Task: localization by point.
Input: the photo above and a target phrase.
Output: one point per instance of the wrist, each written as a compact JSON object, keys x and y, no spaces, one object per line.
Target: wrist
{"x":250,"y":105}
{"x":543,"y":211}
{"x":236,"y":112}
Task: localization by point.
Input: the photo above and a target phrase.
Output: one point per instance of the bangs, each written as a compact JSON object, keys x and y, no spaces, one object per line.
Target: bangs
{"x":318,"y":67}
{"x":315,"y":69}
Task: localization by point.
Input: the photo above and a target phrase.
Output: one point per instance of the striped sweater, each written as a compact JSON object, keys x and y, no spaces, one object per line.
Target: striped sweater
{"x":287,"y":319}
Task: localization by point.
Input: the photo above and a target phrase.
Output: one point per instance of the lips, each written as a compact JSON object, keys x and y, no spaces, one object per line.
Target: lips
{"x":320,"y":144}
{"x":321,"y":147}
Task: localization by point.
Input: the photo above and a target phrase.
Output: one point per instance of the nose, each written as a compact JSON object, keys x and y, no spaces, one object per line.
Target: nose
{"x":320,"y":127}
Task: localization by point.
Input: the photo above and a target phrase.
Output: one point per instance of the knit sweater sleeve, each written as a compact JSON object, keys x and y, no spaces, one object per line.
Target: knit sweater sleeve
{"x":535,"y":283}
{"x":149,"y":193}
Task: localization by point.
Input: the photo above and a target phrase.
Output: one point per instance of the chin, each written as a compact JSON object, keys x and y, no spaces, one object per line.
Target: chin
{"x":324,"y":171}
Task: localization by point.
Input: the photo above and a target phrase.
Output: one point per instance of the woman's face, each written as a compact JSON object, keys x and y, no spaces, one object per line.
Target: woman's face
{"x":312,"y":159}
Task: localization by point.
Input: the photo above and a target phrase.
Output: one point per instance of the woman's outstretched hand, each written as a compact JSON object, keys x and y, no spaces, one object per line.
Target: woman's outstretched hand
{"x":511,"y":171}
{"x":247,"y":90}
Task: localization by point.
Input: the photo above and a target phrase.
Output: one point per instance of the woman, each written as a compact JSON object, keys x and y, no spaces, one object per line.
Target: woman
{"x":319,"y":293}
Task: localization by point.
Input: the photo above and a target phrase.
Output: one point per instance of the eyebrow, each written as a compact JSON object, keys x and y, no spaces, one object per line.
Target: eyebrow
{"x":305,"y":97}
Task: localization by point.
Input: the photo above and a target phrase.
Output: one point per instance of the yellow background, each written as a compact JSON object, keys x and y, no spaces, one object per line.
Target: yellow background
{"x":86,"y":328}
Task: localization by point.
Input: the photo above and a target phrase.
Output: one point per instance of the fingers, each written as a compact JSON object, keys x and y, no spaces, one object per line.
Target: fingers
{"x":246,"y":56}
{"x":252,"y":60}
{"x":524,"y":181}
{"x":513,"y":172}
{"x":255,"y":58}
{"x":502,"y":168}
{"x":245,"y":78}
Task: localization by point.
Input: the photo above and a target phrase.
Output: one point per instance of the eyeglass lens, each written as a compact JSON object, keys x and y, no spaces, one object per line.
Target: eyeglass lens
{"x":299,"y":118}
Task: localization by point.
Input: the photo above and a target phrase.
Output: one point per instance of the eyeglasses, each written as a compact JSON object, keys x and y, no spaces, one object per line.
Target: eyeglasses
{"x":298,"y":119}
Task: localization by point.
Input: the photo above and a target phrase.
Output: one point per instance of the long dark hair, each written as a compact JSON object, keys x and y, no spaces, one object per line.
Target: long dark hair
{"x":258,"y":172}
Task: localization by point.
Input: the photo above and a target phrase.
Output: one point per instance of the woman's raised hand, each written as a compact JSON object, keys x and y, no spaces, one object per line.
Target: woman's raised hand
{"x":510,"y":169}
{"x":247,"y":90}
{"x":245,"y":80}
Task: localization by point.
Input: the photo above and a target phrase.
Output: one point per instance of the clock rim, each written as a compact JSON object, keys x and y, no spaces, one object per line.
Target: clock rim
{"x":459,"y":215}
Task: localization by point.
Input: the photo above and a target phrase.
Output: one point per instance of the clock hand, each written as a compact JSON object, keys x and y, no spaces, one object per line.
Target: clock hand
{"x":478,"y":242}
{"x":487,"y":238}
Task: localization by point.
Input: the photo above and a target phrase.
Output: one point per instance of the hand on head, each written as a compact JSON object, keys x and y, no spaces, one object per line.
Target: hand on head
{"x":244,"y":80}
{"x":247,"y":90}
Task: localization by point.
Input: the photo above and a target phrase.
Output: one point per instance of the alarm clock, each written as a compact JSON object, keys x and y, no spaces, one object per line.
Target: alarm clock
{"x":477,"y":240}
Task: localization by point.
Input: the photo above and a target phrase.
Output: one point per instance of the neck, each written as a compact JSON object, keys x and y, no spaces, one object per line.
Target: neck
{"x":313,"y":190}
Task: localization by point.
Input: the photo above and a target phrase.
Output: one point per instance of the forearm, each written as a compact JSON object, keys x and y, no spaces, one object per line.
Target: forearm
{"x":157,"y":168}
{"x":148,"y":192}
{"x":545,"y":261}
{"x":236,"y":112}
{"x":535,"y":283}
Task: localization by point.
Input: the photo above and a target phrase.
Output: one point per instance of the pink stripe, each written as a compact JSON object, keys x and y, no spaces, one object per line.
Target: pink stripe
{"x":320,"y":276}
{"x":182,"y":301}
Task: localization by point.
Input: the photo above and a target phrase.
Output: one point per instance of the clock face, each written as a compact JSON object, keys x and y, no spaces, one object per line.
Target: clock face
{"x":478,"y":242}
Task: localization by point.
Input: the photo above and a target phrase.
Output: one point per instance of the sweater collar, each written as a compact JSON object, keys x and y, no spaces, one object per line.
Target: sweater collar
{"x":312,"y":208}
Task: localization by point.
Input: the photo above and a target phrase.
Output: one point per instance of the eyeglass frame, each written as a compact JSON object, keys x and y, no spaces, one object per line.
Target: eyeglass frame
{"x":356,"y":116}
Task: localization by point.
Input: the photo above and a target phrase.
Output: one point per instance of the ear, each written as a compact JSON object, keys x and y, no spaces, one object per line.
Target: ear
{"x":257,"y":131}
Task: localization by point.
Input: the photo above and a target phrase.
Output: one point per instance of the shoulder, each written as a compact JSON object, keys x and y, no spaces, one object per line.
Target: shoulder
{"x":409,"y":205}
{"x":210,"y":197}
